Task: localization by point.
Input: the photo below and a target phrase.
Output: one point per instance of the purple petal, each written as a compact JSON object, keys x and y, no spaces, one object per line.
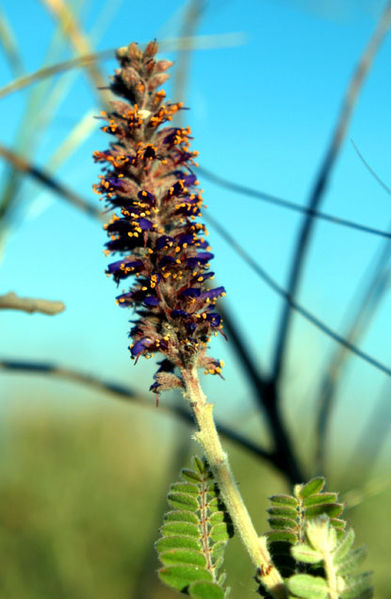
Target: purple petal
{"x":151,"y":300}
{"x":191,"y":292}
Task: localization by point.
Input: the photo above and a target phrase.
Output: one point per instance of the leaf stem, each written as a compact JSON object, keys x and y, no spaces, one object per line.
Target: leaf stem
{"x":220,"y":467}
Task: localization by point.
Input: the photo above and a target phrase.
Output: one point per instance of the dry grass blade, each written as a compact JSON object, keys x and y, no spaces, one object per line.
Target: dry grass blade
{"x":10,"y":46}
{"x":43,"y":177}
{"x":77,"y":136}
{"x":11,"y":301}
{"x":79,"y":42}
{"x":321,"y":182}
{"x":201,"y":42}
{"x":191,"y":20}
{"x":44,"y":73}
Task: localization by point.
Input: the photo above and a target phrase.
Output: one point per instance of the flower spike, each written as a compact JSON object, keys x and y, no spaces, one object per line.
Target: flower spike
{"x":149,"y":183}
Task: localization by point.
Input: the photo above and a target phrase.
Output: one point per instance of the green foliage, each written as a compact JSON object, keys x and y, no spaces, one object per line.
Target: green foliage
{"x":288,"y":518}
{"x":311,"y":548}
{"x":338,"y":559}
{"x":194,"y":536}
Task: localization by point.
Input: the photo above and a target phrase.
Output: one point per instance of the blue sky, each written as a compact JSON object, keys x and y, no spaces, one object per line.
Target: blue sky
{"x":262,"y":113}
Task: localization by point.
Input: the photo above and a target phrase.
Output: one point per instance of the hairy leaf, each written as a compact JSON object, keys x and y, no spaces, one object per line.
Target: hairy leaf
{"x":194,"y":536}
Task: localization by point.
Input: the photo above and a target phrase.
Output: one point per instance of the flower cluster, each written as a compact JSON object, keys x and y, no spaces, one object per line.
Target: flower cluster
{"x":149,"y":182}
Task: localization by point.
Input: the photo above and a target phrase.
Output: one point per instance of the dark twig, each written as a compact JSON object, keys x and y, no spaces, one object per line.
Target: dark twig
{"x":261,"y":272}
{"x":260,"y":195}
{"x":44,"y":177}
{"x":11,"y":301}
{"x":129,"y":394}
{"x":377,"y":283}
{"x":321,"y":183}
{"x":370,"y":169}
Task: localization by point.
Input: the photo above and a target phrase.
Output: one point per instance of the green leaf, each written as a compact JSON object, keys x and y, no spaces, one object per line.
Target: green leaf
{"x":338,"y":523}
{"x":183,"y":501}
{"x":280,"y":522}
{"x":201,"y":467}
{"x":180,"y":528}
{"x":217,"y":517}
{"x":308,"y":587}
{"x":343,"y":547}
{"x":287,"y":511}
{"x":183,"y":556}
{"x":320,"y":498}
{"x":304,"y":553}
{"x":180,"y":577}
{"x":206,"y":590}
{"x":358,"y":587}
{"x":181,"y":516}
{"x":191,"y":476}
{"x":283,"y":500}
{"x":313,"y":486}
{"x":330,"y":509}
{"x":218,"y":549}
{"x":281,"y":536}
{"x":168,"y":543}
{"x":198,"y":514}
{"x":219,"y":532}
{"x":351,"y":562}
{"x":187,"y":488}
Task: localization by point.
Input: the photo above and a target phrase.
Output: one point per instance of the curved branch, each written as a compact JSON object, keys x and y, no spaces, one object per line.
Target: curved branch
{"x":321,"y":183}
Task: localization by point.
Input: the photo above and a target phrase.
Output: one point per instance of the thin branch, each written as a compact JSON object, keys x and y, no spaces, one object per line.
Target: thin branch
{"x":321,"y":183}
{"x":377,"y":283}
{"x":44,"y":177}
{"x":129,"y":394}
{"x":370,"y":169}
{"x":10,"y":45}
{"x":265,"y":197}
{"x":261,"y":272}
{"x":11,"y":301}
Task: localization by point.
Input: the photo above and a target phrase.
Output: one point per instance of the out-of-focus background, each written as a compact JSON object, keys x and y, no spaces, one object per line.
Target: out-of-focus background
{"x":84,"y":476}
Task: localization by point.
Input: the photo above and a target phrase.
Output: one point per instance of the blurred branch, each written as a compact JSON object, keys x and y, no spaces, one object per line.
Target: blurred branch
{"x":67,"y":21}
{"x":260,"y":195}
{"x":43,"y":177}
{"x":200,"y":42}
{"x":10,"y":46}
{"x":80,"y":132}
{"x":11,"y":301}
{"x":191,"y":20}
{"x":129,"y":394}
{"x":370,"y":169}
{"x":377,"y":283}
{"x":321,"y":183}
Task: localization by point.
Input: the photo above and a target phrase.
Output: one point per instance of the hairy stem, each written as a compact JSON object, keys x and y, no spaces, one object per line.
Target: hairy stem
{"x":219,"y":465}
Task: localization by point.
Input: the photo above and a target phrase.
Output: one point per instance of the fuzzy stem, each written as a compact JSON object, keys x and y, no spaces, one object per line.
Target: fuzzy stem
{"x":219,"y":465}
{"x":331,"y":574}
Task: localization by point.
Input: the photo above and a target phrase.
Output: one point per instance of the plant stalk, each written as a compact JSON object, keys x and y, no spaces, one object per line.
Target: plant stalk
{"x":219,"y":465}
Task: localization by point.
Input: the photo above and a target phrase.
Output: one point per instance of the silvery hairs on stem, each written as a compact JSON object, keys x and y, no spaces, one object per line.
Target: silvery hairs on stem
{"x":149,"y":183}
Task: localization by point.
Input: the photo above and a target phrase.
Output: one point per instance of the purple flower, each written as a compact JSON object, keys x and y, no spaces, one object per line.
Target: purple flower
{"x":149,"y":185}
